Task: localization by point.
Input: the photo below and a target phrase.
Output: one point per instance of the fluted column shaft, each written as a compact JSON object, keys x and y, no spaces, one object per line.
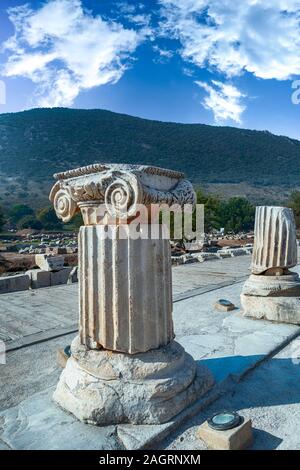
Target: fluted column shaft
{"x":275,"y":243}
{"x":125,"y":289}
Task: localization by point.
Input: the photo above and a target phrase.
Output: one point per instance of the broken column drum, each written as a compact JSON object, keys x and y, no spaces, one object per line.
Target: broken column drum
{"x":272,"y":291}
{"x":125,"y":365}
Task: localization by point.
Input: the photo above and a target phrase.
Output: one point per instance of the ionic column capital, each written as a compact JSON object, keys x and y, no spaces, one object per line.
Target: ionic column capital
{"x":120,"y":188}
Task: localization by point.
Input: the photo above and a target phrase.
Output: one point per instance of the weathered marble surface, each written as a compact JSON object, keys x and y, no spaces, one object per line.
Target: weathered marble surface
{"x":287,"y":285}
{"x":37,"y":424}
{"x":49,"y":262}
{"x":278,"y":309}
{"x":272,"y":292}
{"x":125,"y":298}
{"x":119,"y":187}
{"x":100,"y":387}
{"x":274,"y":298}
{"x":275,"y":242}
{"x":125,"y":290}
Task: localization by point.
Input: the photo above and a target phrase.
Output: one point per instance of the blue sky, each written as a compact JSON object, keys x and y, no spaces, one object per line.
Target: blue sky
{"x":219,"y":62}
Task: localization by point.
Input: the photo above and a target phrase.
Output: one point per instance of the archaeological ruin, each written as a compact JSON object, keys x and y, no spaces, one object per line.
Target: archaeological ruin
{"x":272,"y":291}
{"x":125,"y":365}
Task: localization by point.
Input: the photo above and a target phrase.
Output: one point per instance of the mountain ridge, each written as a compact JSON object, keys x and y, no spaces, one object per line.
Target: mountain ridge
{"x":35,"y":144}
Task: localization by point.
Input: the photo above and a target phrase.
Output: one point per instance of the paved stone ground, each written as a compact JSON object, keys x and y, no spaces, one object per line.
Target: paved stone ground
{"x":30,"y":370}
{"x":226,"y":343}
{"x":29,"y":313}
{"x":269,"y":395}
{"x":229,"y":345}
{"x":33,"y":315}
{"x":209,"y":274}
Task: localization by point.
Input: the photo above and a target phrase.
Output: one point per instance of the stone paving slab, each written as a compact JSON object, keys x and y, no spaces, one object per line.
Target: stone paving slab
{"x":37,"y":424}
{"x":187,"y":278}
{"x":24,"y":314}
{"x":27,"y":313}
{"x":269,"y":396}
{"x":30,"y":370}
{"x":228,"y":344}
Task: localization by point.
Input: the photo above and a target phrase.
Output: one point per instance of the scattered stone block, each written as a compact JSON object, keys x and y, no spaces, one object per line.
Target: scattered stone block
{"x":279,"y":309}
{"x":60,"y":277}
{"x":177,"y":260}
{"x":224,"y":305}
{"x":71,"y":250}
{"x":207,"y":256}
{"x":56,"y":250}
{"x":187,"y":259}
{"x":14,"y":283}
{"x":49,"y":262}
{"x":223,"y":254}
{"x":39,"y":278}
{"x":238,"y":252}
{"x":194,"y":246}
{"x":237,"y":438}
{"x":227,"y":252}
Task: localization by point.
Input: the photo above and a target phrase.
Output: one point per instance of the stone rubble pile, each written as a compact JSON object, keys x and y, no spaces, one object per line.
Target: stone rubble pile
{"x":200,"y":257}
{"x":51,"y":272}
{"x":58,"y":243}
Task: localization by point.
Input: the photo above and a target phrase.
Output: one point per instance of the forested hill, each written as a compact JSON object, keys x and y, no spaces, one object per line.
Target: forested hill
{"x":37,"y":143}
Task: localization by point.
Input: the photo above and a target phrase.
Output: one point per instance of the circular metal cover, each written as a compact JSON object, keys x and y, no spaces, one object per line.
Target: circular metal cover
{"x":224,"y":420}
{"x":225,"y":303}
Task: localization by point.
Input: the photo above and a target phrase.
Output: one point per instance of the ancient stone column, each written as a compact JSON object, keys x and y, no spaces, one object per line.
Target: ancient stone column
{"x":135,"y":314}
{"x":125,"y":365}
{"x":275,"y":242}
{"x":272,"y":291}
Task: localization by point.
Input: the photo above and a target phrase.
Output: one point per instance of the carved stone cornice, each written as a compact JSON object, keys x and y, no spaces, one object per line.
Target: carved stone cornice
{"x":120,"y":187}
{"x":101,"y":167}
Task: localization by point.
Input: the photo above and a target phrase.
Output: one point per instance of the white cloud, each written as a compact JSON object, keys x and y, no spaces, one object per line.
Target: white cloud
{"x":164,"y":55}
{"x":163,"y":52}
{"x":258,"y":36}
{"x":65,"y":49}
{"x":224,"y":100}
{"x":125,"y":7}
{"x":139,"y":19}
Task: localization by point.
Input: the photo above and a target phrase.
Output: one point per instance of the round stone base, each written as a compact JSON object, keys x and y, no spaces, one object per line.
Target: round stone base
{"x":105,"y":387}
{"x":287,"y":285}
{"x":275,"y":298}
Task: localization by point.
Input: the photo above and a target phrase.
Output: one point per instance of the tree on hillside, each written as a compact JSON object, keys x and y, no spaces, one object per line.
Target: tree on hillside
{"x":236,"y":214}
{"x":211,"y":208}
{"x":75,"y":223}
{"x":29,"y":221}
{"x":19,"y":211}
{"x":294,"y":203}
{"x":48,"y":219}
